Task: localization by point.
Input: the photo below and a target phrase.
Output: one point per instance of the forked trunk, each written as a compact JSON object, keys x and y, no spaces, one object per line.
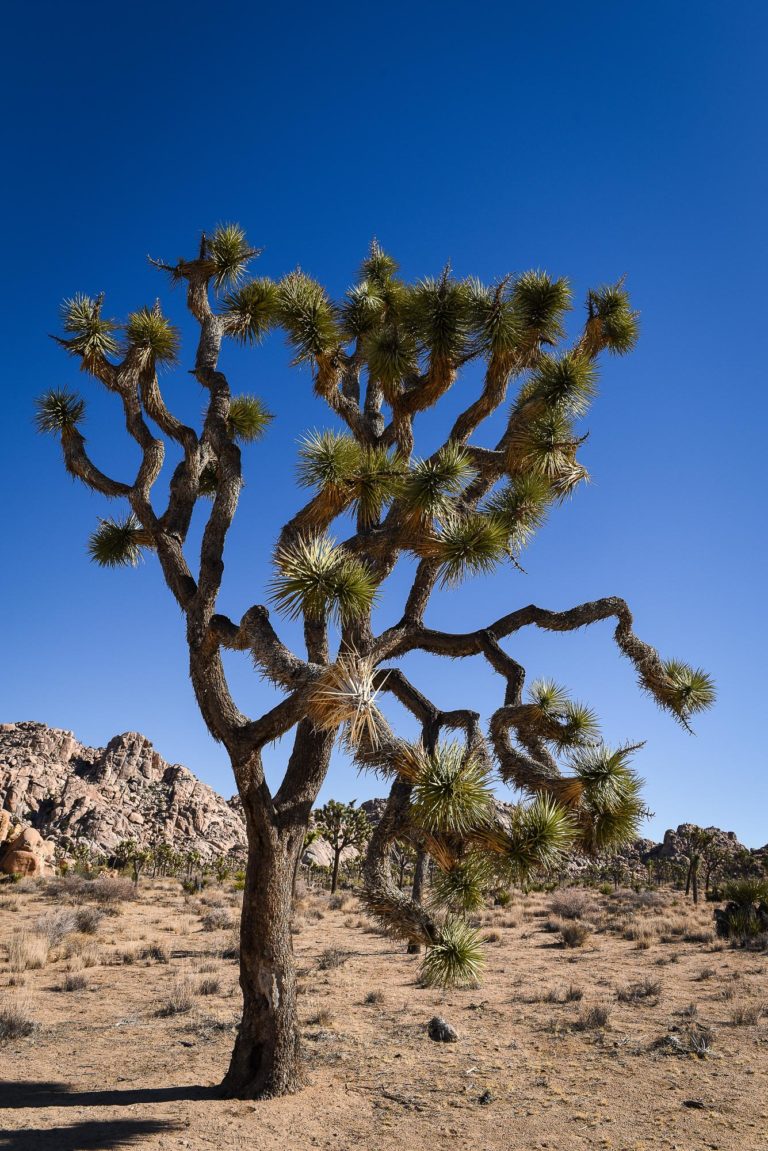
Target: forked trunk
{"x":266,"y":1058}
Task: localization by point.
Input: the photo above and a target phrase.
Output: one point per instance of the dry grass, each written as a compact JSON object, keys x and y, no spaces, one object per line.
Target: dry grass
{"x":15,"y":1020}
{"x":27,"y":951}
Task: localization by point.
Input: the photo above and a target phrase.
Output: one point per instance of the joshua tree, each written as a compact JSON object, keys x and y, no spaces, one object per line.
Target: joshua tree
{"x":342,"y":825}
{"x":378,"y":358}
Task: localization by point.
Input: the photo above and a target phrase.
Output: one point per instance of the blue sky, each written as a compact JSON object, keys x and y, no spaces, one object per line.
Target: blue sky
{"x":590,"y":140}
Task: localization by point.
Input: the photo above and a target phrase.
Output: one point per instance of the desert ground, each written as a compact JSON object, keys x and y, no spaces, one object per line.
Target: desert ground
{"x":647,"y":1034}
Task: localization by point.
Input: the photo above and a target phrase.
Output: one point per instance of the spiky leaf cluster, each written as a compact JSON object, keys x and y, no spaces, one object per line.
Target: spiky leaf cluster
{"x":349,"y":473}
{"x":452,"y":792}
{"x":320,"y":580}
{"x":540,"y":304}
{"x":688,"y":689}
{"x":546,"y":448}
{"x":471,"y":544}
{"x":521,"y":505}
{"x":565,"y":384}
{"x":463,"y":886}
{"x":612,"y":323}
{"x":439,"y":315}
{"x":248,"y":418}
{"x":308,"y":316}
{"x":610,"y":807}
{"x":455,"y":959}
{"x":118,"y":542}
{"x":567,"y":723}
{"x":392,"y":356}
{"x":378,"y":267}
{"x":89,"y":334}
{"x":153,"y":336}
{"x":540,"y":834}
{"x":361,"y":310}
{"x":251,"y":311}
{"x":230,"y":253}
{"x":430,"y":488}
{"x":59,"y":411}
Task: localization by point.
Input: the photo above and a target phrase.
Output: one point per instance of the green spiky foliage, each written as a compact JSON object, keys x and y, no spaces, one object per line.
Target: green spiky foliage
{"x":439,"y":315}
{"x":89,"y":335}
{"x":362,"y":310}
{"x":117,"y":542}
{"x":59,"y":412}
{"x":452,"y":792}
{"x":571,"y":724}
{"x":497,"y":327}
{"x":430,"y":487}
{"x":463,"y":887}
{"x":455,"y":959}
{"x":689,"y":689}
{"x":308,"y":317}
{"x":546,"y":448}
{"x":251,"y":310}
{"x":248,"y":418}
{"x":611,"y":808}
{"x":378,"y":267}
{"x":611,"y":319}
{"x":392,"y":357}
{"x":540,"y":303}
{"x":230,"y":254}
{"x":152,"y":335}
{"x":317,"y":579}
{"x":348,"y":473}
{"x":521,"y":505}
{"x":539,"y":837}
{"x":566,"y":383}
{"x":467,"y":545}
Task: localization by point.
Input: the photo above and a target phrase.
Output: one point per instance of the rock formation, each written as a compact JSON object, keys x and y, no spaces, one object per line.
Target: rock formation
{"x":68,"y":792}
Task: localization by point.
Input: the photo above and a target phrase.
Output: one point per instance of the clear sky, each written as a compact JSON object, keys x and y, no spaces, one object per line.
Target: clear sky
{"x":588,"y":139}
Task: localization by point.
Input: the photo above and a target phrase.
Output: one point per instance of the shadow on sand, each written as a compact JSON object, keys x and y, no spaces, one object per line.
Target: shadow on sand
{"x":91,"y":1134}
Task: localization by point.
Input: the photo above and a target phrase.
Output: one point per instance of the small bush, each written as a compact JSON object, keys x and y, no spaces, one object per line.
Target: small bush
{"x":15,"y":1022}
{"x":216,"y":919}
{"x":157,"y":953}
{"x":575,"y":934}
{"x":180,"y":999}
{"x":27,"y":951}
{"x":74,"y":981}
{"x":88,"y":919}
{"x":492,"y":937}
{"x":320,"y":1018}
{"x":595,"y":1018}
{"x":571,"y":904}
{"x":645,"y":991}
{"x":373,"y":998}
{"x":54,"y":925}
{"x":747,"y":1016}
{"x":209,"y":986}
{"x":331,"y":957}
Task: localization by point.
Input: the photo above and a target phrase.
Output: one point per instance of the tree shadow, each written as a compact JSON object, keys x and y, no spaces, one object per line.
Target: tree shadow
{"x":93,"y":1135}
{"x":41,"y":1094}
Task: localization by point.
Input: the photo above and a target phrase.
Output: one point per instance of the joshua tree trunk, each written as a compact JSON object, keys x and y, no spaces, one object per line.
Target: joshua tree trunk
{"x":265,"y":1060}
{"x":419,"y":873}
{"x":335,"y":872}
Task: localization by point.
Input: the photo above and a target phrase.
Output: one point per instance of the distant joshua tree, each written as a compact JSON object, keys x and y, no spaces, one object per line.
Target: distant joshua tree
{"x":342,"y":825}
{"x":386,"y":353}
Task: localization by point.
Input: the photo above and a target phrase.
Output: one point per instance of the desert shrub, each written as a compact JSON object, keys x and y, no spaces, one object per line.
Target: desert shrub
{"x":331,"y":957}
{"x":320,"y":1018}
{"x":492,"y":937}
{"x":745,"y":915}
{"x":339,"y":901}
{"x":644,"y":991}
{"x":231,"y":949}
{"x":571,"y":904}
{"x":706,"y":973}
{"x":594,"y":1018}
{"x":575,"y":934}
{"x":157,"y":953}
{"x":27,"y":951}
{"x":179,"y":1000}
{"x":216,"y":919}
{"x":502,"y":898}
{"x":88,"y":919}
{"x":747,"y":1015}
{"x":129,"y":955}
{"x":374,"y":997}
{"x":74,"y":981}
{"x":209,"y":986}
{"x":573,"y":994}
{"x":15,"y":1021}
{"x":698,"y":936}
{"x":54,"y":925}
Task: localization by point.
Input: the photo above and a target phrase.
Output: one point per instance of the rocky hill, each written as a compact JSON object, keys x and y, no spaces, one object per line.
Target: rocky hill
{"x":103,"y":795}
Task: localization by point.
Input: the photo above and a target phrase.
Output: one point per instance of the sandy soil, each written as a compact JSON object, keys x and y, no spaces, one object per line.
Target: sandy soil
{"x":102,"y":1069}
